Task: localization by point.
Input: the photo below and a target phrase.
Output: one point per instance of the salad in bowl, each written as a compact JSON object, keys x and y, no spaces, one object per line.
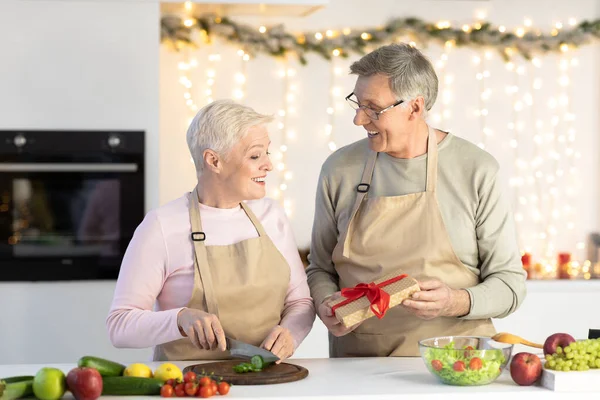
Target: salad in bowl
{"x":465,"y":360}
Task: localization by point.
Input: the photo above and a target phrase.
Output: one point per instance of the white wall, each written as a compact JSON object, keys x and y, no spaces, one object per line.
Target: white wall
{"x":309,"y":149}
{"x":74,"y":65}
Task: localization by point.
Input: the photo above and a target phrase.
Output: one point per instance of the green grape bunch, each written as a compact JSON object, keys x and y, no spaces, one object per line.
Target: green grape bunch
{"x":578,"y":356}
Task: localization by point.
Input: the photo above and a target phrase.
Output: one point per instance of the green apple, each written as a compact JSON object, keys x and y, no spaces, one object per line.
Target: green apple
{"x":49,"y":384}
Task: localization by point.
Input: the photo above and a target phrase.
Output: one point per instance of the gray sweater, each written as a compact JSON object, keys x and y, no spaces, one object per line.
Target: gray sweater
{"x":474,"y":208}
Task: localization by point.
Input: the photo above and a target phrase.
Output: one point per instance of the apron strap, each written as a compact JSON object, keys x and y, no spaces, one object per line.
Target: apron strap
{"x":432,"y":161}
{"x":201,"y":255}
{"x":257,"y":225}
{"x":362,"y":190}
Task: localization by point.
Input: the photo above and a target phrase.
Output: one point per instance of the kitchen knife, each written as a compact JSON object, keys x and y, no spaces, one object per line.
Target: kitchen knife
{"x":244,"y":350}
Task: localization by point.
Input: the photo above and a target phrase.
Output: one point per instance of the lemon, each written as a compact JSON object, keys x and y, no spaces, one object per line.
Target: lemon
{"x":168,"y":371}
{"x":139,"y":370}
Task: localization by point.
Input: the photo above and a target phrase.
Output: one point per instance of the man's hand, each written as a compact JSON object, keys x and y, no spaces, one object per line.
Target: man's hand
{"x":436,"y":299}
{"x":331,"y":322}
{"x":279,"y":342}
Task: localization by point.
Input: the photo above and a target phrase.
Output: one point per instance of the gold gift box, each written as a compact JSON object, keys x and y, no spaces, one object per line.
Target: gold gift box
{"x":360,"y":309}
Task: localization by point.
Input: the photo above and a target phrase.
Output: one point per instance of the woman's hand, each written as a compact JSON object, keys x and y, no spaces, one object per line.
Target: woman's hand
{"x":331,"y":322}
{"x":203,"y":329}
{"x":280,"y":342}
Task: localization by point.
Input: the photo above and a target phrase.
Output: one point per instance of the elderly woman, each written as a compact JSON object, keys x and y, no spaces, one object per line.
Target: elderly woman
{"x":220,"y":261}
{"x":412,"y":198}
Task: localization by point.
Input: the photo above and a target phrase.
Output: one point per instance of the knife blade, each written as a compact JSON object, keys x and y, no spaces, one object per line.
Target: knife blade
{"x":244,"y":350}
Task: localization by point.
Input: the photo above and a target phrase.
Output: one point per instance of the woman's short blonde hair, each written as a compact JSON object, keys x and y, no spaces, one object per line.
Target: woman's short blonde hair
{"x":410,"y":72}
{"x":219,"y":126}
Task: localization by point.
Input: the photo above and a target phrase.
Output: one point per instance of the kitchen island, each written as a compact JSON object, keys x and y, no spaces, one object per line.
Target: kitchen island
{"x":360,"y":378}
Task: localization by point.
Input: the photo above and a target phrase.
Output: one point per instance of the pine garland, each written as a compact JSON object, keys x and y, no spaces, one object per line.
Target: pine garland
{"x":277,"y":42}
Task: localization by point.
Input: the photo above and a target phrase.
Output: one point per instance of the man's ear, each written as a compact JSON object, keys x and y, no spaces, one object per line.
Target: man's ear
{"x":417,"y":108}
{"x":212,"y":161}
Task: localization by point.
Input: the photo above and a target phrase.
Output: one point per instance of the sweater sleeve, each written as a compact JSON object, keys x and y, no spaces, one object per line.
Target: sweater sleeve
{"x":131,"y":322}
{"x":502,"y":288}
{"x":322,"y":276}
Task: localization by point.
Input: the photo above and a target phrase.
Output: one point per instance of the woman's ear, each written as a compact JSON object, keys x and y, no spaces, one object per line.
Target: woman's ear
{"x":212,"y":161}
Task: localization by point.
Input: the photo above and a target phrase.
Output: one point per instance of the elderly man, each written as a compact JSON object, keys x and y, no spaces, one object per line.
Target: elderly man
{"x":412,"y":198}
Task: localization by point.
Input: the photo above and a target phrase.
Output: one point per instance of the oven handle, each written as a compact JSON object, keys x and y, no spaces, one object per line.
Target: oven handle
{"x":68,"y":167}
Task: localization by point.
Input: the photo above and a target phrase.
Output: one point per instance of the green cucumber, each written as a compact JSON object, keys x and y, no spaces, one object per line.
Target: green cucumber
{"x":105,"y":367}
{"x":130,"y":386}
{"x":13,"y":379}
{"x":257,"y":362}
{"x":16,"y":390}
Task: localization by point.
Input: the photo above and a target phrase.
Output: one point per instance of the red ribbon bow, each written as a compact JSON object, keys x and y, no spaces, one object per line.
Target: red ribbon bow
{"x":379,"y":299}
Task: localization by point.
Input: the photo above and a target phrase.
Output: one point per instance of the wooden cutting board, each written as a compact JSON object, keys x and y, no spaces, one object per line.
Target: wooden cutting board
{"x":275,"y":373}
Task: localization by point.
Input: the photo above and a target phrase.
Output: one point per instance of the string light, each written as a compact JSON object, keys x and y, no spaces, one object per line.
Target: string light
{"x":544,"y":176}
{"x":186,"y":66}
{"x":239,"y":91}
{"x":482,"y":76}
{"x":520,"y":166}
{"x":335,"y":94}
{"x":446,"y":81}
{"x":211,"y":73}
{"x":567,"y":141}
{"x":289,"y":94}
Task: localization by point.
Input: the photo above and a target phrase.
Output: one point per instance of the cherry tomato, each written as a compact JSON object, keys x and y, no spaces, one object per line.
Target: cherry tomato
{"x":459,"y":366}
{"x":475,"y":363}
{"x":437,"y":365}
{"x":190,"y":388}
{"x":223,"y":388}
{"x":180,"y":390}
{"x":214,"y":387}
{"x":166,"y":391}
{"x":189,"y":376}
{"x":205,"y":380}
{"x":468,"y":351}
{"x":171,"y":382}
{"x":206,"y":391}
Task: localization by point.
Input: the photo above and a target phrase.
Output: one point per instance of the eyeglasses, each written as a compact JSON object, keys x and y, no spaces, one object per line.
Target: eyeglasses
{"x":368,"y":110}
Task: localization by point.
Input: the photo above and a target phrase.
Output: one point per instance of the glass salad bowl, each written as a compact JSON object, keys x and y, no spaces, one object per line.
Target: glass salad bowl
{"x":465,"y":360}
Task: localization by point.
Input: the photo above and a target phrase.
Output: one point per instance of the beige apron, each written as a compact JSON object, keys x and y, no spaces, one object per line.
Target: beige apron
{"x":243,"y":284}
{"x":407,"y":233}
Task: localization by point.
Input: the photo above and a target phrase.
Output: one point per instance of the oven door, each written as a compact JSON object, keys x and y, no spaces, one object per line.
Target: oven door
{"x":70,"y":221}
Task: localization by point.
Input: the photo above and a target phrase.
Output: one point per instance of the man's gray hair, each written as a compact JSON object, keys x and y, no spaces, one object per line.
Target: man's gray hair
{"x":219,"y":126}
{"x":410,"y":72}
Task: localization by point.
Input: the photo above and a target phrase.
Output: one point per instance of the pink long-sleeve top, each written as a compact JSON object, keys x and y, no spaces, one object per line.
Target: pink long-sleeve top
{"x":157,"y":272}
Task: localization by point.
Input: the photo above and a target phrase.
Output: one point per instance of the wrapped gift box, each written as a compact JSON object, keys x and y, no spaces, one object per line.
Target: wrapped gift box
{"x":358,"y":307}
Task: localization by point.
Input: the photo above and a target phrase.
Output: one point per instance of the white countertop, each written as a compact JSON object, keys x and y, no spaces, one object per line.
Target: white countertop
{"x":360,"y":378}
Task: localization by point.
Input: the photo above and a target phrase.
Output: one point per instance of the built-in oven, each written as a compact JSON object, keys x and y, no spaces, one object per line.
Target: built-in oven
{"x":69,"y":202}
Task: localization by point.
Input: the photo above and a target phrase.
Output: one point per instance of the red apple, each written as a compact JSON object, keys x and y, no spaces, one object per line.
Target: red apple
{"x":558,"y":339}
{"x":525,"y":368}
{"x":85,"y":383}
